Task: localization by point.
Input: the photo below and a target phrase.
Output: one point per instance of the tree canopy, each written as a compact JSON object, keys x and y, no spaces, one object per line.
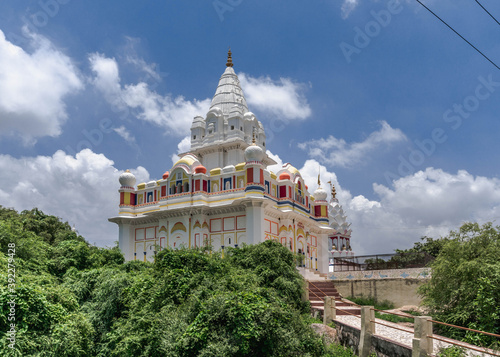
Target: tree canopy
{"x":464,"y":287}
{"x":75,"y":299}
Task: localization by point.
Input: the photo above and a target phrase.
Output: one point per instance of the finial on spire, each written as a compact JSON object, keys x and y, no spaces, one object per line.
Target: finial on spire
{"x":253,"y":136}
{"x":332,"y":186}
{"x":229,"y":62}
{"x":319,"y":172}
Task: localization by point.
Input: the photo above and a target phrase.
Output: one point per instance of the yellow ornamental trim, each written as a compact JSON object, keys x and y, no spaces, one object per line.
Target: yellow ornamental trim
{"x":215,"y":172}
{"x":141,"y":186}
{"x":197,"y":224}
{"x":162,"y":229}
{"x":300,"y":231}
{"x":273,"y":175}
{"x":179,"y":226}
{"x":240,"y":166}
{"x":204,"y":225}
{"x":283,"y":228}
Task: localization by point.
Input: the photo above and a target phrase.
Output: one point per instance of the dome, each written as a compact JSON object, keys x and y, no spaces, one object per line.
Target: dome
{"x":228,"y":169}
{"x":320,"y":194}
{"x":216,"y":111}
{"x":200,"y":169}
{"x":285,"y":176}
{"x":165,"y":175}
{"x":151,"y":184}
{"x":127,"y":179}
{"x":248,"y":116}
{"x":254,"y":153}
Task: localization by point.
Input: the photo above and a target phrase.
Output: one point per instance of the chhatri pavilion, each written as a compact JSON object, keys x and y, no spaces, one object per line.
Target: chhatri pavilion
{"x":221,"y":194}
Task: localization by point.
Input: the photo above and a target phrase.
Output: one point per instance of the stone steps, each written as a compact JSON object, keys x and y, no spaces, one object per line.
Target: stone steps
{"x":319,"y":289}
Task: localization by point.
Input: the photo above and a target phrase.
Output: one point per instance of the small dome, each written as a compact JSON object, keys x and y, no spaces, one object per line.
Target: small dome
{"x":249,"y":116}
{"x":285,"y":176}
{"x":127,"y":179}
{"x":320,"y":194}
{"x":200,"y":169}
{"x":228,"y":169}
{"x":166,"y":175}
{"x":151,"y":184}
{"x":254,"y":153}
{"x":216,"y":111}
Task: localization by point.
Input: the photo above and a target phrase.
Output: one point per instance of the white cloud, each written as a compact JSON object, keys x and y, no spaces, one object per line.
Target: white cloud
{"x":183,"y":146}
{"x":82,"y":190}
{"x":33,"y":87}
{"x":430,"y":202}
{"x":337,"y":152}
{"x":283,"y":98}
{"x":173,"y":114}
{"x":125,"y":134}
{"x":347,"y":7}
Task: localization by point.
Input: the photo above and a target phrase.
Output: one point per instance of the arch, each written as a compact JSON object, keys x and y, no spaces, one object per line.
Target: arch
{"x":179,"y":226}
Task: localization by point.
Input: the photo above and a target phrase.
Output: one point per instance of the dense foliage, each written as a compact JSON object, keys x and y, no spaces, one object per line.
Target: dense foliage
{"x":464,"y":287}
{"x":74,"y":299}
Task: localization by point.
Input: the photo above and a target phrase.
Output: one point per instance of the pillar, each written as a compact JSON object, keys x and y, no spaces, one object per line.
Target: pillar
{"x":367,"y":330}
{"x":422,"y":345}
{"x":126,"y":241}
{"x":329,"y":313}
{"x":255,"y":221}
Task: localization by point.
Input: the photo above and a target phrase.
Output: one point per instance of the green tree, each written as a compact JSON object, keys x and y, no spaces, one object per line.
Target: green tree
{"x":463,"y":289}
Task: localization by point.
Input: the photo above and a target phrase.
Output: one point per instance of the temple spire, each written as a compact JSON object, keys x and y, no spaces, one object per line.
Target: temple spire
{"x":229,"y":62}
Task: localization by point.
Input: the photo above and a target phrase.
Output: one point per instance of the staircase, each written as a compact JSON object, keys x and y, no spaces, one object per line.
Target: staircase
{"x":319,"y":289}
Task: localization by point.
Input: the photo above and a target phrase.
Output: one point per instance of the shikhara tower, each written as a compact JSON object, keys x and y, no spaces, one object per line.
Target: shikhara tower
{"x":221,"y":194}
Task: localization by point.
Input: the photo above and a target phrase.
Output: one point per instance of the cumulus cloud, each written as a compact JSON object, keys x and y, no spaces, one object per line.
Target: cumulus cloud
{"x":347,"y":7}
{"x":283,"y":98}
{"x":81,"y":189}
{"x":427,"y":203}
{"x":174,"y":114}
{"x":337,"y":152}
{"x":430,"y":202}
{"x":183,"y":146}
{"x":33,"y":87}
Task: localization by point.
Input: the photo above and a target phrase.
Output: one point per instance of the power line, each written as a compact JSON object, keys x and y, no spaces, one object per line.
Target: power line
{"x":493,"y":17}
{"x":452,"y":29}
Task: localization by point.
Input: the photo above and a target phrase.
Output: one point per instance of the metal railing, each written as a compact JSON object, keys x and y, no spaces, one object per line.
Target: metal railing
{"x":382,"y":261}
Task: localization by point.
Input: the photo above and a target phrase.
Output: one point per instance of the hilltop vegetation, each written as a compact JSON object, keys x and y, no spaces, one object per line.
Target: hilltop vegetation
{"x":464,"y":289}
{"x":75,"y":299}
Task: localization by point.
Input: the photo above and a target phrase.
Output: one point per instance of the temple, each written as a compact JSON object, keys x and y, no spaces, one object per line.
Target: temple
{"x":221,"y":194}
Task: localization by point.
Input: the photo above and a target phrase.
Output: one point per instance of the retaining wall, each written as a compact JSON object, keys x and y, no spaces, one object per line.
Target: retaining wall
{"x":400,"y":292}
{"x":349,"y":336}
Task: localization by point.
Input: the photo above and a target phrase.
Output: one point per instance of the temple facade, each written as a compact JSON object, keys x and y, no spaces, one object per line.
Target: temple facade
{"x":221,"y":194}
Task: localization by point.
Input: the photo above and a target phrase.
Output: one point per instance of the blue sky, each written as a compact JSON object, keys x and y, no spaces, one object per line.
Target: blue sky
{"x":390,"y":104}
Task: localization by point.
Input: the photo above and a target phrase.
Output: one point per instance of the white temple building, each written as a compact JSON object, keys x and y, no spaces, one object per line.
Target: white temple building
{"x":221,"y":194}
